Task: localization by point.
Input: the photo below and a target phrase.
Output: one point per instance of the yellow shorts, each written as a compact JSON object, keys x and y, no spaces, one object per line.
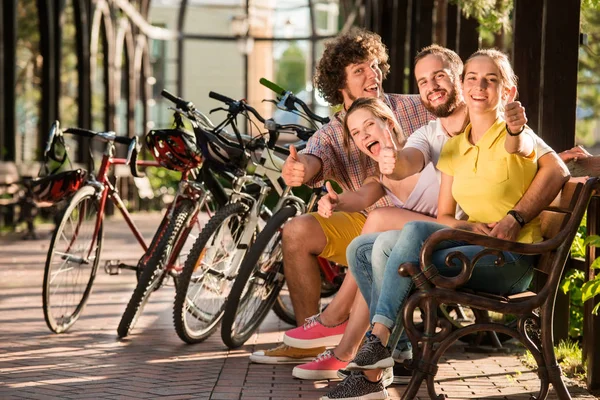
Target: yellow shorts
{"x":340,"y":229}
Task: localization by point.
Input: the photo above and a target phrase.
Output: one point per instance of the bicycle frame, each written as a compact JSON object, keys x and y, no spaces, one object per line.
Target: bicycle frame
{"x":198,"y":193}
{"x":105,"y":189}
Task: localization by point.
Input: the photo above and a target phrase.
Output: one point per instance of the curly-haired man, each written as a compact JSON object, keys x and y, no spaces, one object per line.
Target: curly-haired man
{"x":353,"y":65}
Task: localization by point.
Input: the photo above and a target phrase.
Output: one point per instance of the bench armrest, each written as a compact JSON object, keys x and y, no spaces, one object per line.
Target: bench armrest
{"x":492,"y":246}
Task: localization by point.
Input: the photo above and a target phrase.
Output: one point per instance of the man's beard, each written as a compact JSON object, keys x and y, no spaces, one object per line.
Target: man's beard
{"x":446,"y":109}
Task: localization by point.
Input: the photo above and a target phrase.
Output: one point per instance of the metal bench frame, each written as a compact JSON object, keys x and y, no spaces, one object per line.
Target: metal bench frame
{"x":534,"y":310}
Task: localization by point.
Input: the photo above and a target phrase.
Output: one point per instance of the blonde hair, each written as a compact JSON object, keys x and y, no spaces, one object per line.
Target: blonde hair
{"x":500,"y":59}
{"x":380,"y":110}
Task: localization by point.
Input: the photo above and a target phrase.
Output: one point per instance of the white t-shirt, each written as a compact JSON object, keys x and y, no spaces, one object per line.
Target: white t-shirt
{"x":430,"y":140}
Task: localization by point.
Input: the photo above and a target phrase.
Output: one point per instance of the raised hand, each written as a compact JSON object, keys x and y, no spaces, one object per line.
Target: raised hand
{"x":294,"y":170}
{"x":514,"y":113}
{"x":387,"y":154}
{"x":329,"y":202}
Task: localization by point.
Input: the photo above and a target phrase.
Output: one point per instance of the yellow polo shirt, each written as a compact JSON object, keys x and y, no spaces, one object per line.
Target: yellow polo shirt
{"x":487,"y":180}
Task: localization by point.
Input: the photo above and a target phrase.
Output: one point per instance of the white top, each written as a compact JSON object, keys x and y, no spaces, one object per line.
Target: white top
{"x":424,"y":197}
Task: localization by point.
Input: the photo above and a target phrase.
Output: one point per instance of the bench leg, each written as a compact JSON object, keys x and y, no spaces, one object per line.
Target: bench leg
{"x":554,"y":371}
{"x":422,"y":366}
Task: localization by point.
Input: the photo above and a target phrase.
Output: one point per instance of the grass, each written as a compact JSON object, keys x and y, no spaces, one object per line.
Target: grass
{"x":569,"y":356}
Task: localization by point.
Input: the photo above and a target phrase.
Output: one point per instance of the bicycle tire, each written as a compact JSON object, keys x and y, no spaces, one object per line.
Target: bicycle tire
{"x":283,"y":308}
{"x":192,"y":236}
{"x":155,"y":269}
{"x":83,"y":200}
{"x":198,"y":308}
{"x":254,"y":277}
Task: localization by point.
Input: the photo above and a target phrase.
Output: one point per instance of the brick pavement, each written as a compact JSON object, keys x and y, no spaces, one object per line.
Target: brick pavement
{"x":90,"y":363}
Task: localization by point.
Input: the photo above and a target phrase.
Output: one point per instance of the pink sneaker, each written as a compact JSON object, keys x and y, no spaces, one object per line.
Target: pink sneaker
{"x":325,"y":366}
{"x":314,"y":334}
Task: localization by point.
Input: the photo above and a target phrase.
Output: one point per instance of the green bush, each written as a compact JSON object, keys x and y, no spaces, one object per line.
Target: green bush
{"x":574,"y":283}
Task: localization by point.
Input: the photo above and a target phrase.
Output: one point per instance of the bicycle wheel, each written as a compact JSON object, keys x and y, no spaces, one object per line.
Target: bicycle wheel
{"x":184,"y":250}
{"x":155,"y":268}
{"x":284,"y":309}
{"x":258,"y":283}
{"x":72,"y":261}
{"x":208,"y":274}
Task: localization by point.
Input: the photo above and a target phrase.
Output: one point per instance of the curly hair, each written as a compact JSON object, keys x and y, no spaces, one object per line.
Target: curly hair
{"x":356,"y":46}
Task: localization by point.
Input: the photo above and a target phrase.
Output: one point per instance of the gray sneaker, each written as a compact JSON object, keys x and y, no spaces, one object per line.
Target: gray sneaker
{"x":387,"y":379}
{"x":400,"y":356}
{"x":372,"y":355}
{"x":357,"y":386}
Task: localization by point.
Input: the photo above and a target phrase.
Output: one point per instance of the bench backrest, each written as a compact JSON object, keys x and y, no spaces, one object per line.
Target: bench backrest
{"x":560,"y":222}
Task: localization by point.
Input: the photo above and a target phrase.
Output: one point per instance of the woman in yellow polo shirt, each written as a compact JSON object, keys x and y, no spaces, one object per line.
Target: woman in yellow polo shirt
{"x":485,"y":170}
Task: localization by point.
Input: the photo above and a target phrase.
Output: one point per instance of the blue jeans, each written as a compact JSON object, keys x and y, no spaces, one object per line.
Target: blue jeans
{"x":367,"y":256}
{"x":386,"y":291}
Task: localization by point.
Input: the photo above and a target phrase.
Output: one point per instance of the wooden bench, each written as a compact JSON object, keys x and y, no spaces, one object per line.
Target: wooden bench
{"x":534,"y":311}
{"x":9,"y":191}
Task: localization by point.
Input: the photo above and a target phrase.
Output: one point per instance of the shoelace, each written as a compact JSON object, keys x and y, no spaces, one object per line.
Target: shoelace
{"x":310,"y":322}
{"x":323,"y":356}
{"x":370,"y":345}
{"x":353,"y":375}
{"x":282,"y":346}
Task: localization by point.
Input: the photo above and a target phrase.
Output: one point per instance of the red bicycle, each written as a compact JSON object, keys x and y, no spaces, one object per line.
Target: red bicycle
{"x":76,"y":244}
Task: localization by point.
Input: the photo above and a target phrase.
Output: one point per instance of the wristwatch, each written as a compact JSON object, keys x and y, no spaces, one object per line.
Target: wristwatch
{"x":517,"y":217}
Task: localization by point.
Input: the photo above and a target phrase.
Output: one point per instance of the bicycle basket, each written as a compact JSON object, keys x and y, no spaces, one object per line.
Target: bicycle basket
{"x":54,"y":188}
{"x":174,"y":148}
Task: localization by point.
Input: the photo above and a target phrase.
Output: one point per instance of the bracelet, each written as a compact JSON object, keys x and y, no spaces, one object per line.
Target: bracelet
{"x":517,"y":133}
{"x":518,"y":217}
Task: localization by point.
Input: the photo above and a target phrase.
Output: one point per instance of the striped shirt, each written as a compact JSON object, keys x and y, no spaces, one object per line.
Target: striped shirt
{"x":350,"y":168}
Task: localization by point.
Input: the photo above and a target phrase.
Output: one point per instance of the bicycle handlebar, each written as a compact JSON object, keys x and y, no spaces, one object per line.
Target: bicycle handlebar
{"x":111,"y":137}
{"x":222,"y":98}
{"x":179,"y":102}
{"x":288,"y":101}
{"x":235,"y":107}
{"x":273,"y":86}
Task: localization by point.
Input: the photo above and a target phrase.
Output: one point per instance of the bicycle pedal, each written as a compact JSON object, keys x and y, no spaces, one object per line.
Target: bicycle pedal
{"x":112,"y":267}
{"x":127,"y":266}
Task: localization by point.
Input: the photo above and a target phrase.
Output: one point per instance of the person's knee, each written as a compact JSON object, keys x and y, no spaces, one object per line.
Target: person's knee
{"x":374,"y":222}
{"x":358,"y":251}
{"x":304,"y":234}
{"x":352,"y":252}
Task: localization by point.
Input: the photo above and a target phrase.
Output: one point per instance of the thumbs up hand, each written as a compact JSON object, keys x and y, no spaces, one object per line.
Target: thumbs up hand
{"x":329,"y":202}
{"x":387,"y":155}
{"x":514,"y":113}
{"x":294,"y":170}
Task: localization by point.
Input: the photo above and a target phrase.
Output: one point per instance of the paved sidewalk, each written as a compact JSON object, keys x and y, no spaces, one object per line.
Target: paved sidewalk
{"x":90,"y":363}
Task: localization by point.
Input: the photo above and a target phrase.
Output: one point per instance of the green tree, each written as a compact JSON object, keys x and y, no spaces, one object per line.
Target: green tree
{"x":588,"y":93}
{"x":492,"y":15}
{"x":291,"y":74}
